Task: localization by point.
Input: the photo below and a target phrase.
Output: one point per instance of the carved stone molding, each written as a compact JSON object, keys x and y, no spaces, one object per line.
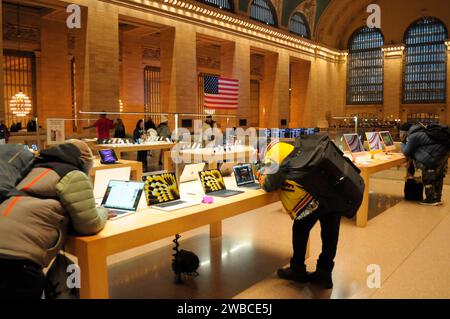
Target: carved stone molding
{"x":28,"y":33}
{"x":208,"y":62}
{"x":151,"y":54}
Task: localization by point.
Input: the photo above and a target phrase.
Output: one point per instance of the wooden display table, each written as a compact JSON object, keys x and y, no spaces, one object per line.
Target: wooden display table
{"x":366,"y":171}
{"x":124,"y":148}
{"x":149,"y":225}
{"x":136,"y":168}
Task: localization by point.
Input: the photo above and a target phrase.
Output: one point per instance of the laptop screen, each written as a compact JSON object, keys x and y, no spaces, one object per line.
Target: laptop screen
{"x":387,"y":138}
{"x":243,"y":174}
{"x":374,"y":140}
{"x":161,"y":188}
{"x":108,"y":156}
{"x":123,"y":195}
{"x":354,"y":143}
{"x":212,"y":181}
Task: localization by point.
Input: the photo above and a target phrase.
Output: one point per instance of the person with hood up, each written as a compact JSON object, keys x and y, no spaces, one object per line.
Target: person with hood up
{"x":55,"y":197}
{"x":429,"y":156}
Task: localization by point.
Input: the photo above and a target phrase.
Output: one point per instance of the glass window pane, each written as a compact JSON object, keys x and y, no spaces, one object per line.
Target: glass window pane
{"x":222,"y":4}
{"x":425,"y":62}
{"x":262,"y":11}
{"x":365,"y":67}
{"x":299,"y":25}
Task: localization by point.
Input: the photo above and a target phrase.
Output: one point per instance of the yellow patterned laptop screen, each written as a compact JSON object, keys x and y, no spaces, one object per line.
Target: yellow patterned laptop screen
{"x":212,"y":181}
{"x":161,"y":188}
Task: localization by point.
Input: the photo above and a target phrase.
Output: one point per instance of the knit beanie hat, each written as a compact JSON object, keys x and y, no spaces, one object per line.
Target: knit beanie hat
{"x":86,"y":154}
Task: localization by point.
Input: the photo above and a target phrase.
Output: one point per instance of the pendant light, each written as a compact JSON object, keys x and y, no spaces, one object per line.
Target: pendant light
{"x":20,"y":103}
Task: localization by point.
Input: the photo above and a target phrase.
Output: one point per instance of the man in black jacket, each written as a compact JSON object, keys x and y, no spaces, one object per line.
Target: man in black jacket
{"x":430,"y":156}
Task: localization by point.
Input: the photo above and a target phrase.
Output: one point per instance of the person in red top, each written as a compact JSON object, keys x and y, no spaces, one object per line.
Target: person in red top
{"x":103,"y":125}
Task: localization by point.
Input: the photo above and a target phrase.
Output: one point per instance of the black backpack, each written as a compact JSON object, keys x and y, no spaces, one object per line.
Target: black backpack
{"x":439,"y":134}
{"x":320,"y":167}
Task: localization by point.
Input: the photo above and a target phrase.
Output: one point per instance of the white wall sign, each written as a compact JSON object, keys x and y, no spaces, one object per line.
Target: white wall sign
{"x":55,"y":131}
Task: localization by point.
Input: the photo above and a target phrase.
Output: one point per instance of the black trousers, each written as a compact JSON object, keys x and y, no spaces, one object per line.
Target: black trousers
{"x":329,"y":224}
{"x":21,"y":279}
{"x":142,"y":157}
{"x":433,"y":179}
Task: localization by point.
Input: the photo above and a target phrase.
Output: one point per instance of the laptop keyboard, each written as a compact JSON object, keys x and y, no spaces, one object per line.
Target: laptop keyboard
{"x":170,"y":204}
{"x":225,"y":192}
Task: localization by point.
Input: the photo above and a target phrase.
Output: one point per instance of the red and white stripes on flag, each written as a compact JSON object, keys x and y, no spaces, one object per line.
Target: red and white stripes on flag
{"x":220,"y":93}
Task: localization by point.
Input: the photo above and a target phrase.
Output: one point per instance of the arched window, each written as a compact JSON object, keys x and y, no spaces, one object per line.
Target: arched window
{"x":425,"y":62}
{"x":299,"y":25}
{"x":221,"y":4}
{"x":263,"y":11}
{"x":365,"y":67}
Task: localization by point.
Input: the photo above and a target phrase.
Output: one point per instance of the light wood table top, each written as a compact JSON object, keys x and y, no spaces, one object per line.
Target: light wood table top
{"x":367,"y":169}
{"x":148,"y":225}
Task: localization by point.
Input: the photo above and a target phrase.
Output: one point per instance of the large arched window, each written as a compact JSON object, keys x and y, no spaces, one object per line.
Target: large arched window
{"x":425,"y":62}
{"x":263,"y":11}
{"x":299,"y":25}
{"x":365,"y":67}
{"x":221,"y":4}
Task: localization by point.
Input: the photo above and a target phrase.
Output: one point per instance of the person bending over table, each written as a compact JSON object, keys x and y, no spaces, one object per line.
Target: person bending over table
{"x":55,"y":197}
{"x":306,"y":212}
{"x":430,"y":157}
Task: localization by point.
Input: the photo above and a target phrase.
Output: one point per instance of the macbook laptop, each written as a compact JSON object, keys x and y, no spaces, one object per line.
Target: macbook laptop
{"x":122,"y":198}
{"x":355,"y":145}
{"x":374,"y":140}
{"x":108,"y":157}
{"x":214,"y":185}
{"x":190,"y":172}
{"x":387,"y":141}
{"x":104,"y":176}
{"x":245,"y":177}
{"x":162,"y":193}
{"x":226,"y":169}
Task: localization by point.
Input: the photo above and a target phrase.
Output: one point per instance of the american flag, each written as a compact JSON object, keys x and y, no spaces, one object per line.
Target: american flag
{"x":220,"y":93}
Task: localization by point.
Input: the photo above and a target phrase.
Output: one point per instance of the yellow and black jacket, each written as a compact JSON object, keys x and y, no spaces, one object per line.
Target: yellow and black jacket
{"x":297,"y":202}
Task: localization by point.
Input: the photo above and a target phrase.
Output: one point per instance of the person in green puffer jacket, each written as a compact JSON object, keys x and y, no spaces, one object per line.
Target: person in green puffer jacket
{"x":55,"y":197}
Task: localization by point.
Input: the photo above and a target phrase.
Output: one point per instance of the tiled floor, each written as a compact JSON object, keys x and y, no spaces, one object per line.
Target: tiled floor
{"x":409,"y":243}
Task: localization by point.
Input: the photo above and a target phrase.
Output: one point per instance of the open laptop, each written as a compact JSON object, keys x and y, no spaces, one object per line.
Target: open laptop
{"x":374,"y":141}
{"x":387,"y":141}
{"x":161,"y":191}
{"x":122,"y":198}
{"x":355,"y":145}
{"x":108,"y":157}
{"x":190,"y":172}
{"x":104,"y":176}
{"x":245,"y":177}
{"x":214,"y":185}
{"x":226,"y":169}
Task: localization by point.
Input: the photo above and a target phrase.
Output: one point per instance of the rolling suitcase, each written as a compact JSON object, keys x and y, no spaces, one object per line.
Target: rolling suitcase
{"x":320,"y":167}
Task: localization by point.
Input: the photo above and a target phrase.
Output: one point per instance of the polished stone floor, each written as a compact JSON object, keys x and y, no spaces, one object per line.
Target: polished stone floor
{"x":408,"y":243}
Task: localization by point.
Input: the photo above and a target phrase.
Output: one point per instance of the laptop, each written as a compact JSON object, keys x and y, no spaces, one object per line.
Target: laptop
{"x":162,"y":192}
{"x":108,"y":157}
{"x":355,"y":145}
{"x":374,"y":141}
{"x":122,"y":198}
{"x":214,"y":185}
{"x":190,"y":172}
{"x":226,"y":169}
{"x":245,"y":177}
{"x":387,"y":141}
{"x":104,"y":176}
